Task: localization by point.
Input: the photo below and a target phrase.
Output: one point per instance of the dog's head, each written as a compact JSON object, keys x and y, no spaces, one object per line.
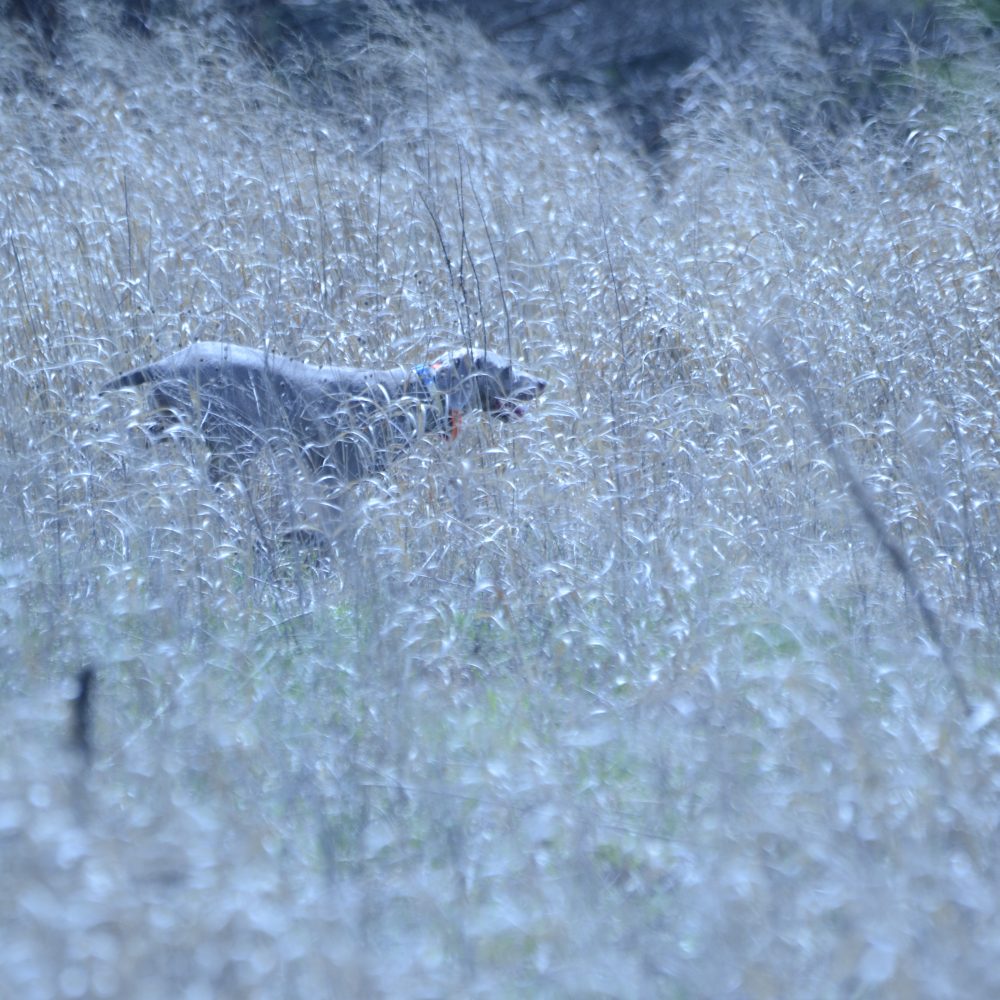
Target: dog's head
{"x":477,"y":379}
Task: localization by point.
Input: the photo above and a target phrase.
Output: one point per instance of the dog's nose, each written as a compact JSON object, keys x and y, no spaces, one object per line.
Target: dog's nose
{"x":540,"y":385}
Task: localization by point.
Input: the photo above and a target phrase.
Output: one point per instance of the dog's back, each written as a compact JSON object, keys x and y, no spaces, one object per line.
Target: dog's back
{"x":339,"y":419}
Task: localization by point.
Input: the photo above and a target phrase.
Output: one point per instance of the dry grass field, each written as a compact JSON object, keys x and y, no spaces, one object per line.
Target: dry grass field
{"x":684,"y":686}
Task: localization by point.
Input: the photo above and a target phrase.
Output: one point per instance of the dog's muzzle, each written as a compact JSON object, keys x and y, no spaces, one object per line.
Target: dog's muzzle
{"x":507,"y":408}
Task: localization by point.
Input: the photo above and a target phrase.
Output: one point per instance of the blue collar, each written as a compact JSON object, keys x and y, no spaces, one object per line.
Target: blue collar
{"x":426,"y":375}
{"x":448,"y":419}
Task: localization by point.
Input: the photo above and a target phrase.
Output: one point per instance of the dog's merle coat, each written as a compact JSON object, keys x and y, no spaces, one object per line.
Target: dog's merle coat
{"x":345,"y":422}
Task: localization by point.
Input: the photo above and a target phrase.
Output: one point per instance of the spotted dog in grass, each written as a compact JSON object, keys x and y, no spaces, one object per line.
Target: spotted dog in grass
{"x":346,"y":423}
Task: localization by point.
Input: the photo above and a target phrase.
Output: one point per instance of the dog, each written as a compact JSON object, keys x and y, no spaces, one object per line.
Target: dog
{"x":346,"y":423}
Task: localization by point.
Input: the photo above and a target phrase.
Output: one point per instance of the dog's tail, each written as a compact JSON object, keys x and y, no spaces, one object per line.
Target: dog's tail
{"x":137,"y":376}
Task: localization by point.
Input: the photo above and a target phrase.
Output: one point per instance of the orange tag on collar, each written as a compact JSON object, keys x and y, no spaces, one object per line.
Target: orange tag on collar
{"x":454,"y":423}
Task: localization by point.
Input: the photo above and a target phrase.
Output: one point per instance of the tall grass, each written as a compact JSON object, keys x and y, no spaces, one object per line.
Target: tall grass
{"x":622,"y":700}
